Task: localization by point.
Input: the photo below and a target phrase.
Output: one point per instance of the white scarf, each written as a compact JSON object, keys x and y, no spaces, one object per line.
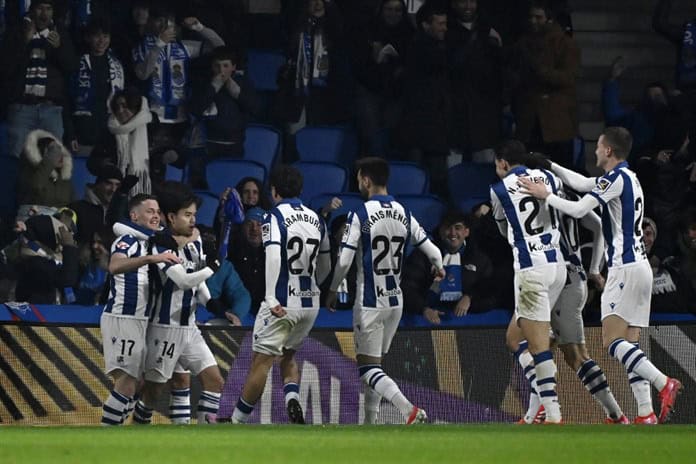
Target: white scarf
{"x":132,"y":147}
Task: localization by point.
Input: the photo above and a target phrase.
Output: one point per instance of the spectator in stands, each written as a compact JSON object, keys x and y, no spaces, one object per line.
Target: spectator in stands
{"x":225,"y":17}
{"x":659,"y":122}
{"x":424,"y":127}
{"x":682,"y":37}
{"x":468,"y":284}
{"x":99,"y":77}
{"x":48,"y":266}
{"x":345,"y":294}
{"x":38,"y":58}
{"x":162,"y":60}
{"x":94,"y":267}
{"x":474,"y":60}
{"x":125,"y":144}
{"x":379,"y":70}
{"x":308,"y":87}
{"x":225,"y":286}
{"x":687,"y":255}
{"x":247,"y":254}
{"x":544,"y":67}
{"x":225,"y":103}
{"x":45,"y":175}
{"x":129,"y":35}
{"x":253,"y":194}
{"x":78,"y":13}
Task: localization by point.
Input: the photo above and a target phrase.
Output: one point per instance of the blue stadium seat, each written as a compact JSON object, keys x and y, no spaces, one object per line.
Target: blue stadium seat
{"x":209,"y":204}
{"x":262,"y":144}
{"x":80,"y":176}
{"x":469,"y":184}
{"x":262,"y":68}
{"x":351,"y":202}
{"x":223,"y":173}
{"x":321,"y":178}
{"x":579,"y":153}
{"x":334,"y":144}
{"x":427,"y":209}
{"x":174,"y":173}
{"x":9,"y":166}
{"x":406,"y":179}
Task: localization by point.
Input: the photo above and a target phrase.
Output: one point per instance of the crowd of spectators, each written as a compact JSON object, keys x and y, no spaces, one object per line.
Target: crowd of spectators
{"x":136,"y":85}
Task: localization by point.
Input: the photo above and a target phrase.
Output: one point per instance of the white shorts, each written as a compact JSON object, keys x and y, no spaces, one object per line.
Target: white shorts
{"x":374,"y":329}
{"x":123,"y":339}
{"x":566,"y":316}
{"x":171,"y":347}
{"x":537,"y":289}
{"x":274,"y":334}
{"x":627,"y":293}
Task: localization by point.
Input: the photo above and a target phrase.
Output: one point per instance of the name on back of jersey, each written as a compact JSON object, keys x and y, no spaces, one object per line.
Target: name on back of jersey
{"x":302,"y":217}
{"x":515,"y":188}
{"x":381,"y":214}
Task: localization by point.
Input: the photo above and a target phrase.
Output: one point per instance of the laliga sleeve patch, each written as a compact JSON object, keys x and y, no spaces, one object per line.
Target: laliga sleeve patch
{"x":346,"y":233}
{"x":122,"y":245}
{"x":603,"y":184}
{"x":266,"y":231}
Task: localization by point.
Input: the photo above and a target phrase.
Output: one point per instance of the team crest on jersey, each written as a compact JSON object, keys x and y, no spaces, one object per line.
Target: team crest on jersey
{"x":122,"y":245}
{"x":113,"y":340}
{"x":603,"y":184}
{"x":120,"y":359}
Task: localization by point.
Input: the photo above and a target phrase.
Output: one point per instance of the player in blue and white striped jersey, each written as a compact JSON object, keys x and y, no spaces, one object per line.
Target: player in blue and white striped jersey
{"x":531,"y":227}
{"x":626,"y":297}
{"x":297,"y":260}
{"x":125,"y":317}
{"x":173,"y":337}
{"x":377,"y":233}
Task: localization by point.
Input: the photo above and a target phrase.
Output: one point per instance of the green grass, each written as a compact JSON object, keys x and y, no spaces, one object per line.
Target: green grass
{"x":349,"y":444}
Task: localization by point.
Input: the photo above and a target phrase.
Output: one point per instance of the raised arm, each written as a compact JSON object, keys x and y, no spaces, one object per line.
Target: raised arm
{"x":576,"y":181}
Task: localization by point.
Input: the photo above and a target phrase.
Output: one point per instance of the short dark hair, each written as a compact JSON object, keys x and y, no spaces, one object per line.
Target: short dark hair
{"x":287,"y":181}
{"x":542,"y":5}
{"x":139,"y":199}
{"x":132,"y":96}
{"x":619,"y":140}
{"x":376,"y":169}
{"x":511,"y":150}
{"x":429,"y":9}
{"x":97,"y":25}
{"x":174,"y":196}
{"x":223,"y":53}
{"x":454,"y":216}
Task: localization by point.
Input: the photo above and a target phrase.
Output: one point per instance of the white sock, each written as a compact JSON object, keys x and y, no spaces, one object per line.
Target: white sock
{"x":526,"y":362}
{"x":372,"y":401}
{"x":634,"y":360}
{"x":180,"y":406}
{"x":242,"y":411}
{"x":114,"y":408}
{"x":292,"y":392}
{"x":594,"y":380}
{"x":642,"y":394}
{"x":208,"y":406}
{"x":374,"y":376}
{"x":546,"y":384}
{"x":129,"y":407}
{"x":142,"y":414}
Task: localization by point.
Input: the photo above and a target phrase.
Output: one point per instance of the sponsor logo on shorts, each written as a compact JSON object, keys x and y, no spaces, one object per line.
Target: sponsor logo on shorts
{"x":382,"y":292}
{"x":292,"y":291}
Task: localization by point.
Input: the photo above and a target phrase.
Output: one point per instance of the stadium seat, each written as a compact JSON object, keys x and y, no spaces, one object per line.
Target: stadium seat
{"x":9,"y":166}
{"x":427,"y":209}
{"x":262,"y":145}
{"x":351,"y":202}
{"x":223,"y":173}
{"x":174,"y":173}
{"x":262,"y":68}
{"x":469,"y":184}
{"x":406,"y":179}
{"x":321,"y":178}
{"x":206,"y":212}
{"x":332,"y":144}
{"x":579,"y":153}
{"x":80,"y":176}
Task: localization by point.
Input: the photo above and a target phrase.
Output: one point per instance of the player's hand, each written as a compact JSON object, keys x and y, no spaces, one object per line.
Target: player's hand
{"x":482,"y":210}
{"x":438,"y":274}
{"x":168,"y":35}
{"x":331,"y":206}
{"x":331,"y":301}
{"x":433,"y":315}
{"x":463,"y":306}
{"x":192,"y":23}
{"x":537,"y":160}
{"x":278,"y":311}
{"x":53,"y":39}
{"x":537,"y":190}
{"x":597,"y":280}
{"x":234,"y":320}
{"x":168,"y":258}
{"x":618,"y":66}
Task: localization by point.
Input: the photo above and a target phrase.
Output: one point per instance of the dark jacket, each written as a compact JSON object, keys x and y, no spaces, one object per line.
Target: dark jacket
{"x":250,"y":264}
{"x":91,"y":215}
{"x":477,"y":271}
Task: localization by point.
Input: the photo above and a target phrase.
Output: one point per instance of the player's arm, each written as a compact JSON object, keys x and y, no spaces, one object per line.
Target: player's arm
{"x":592,"y":222}
{"x":576,"y":209}
{"x":499,"y":214}
{"x":574,"y":180}
{"x":272,"y":244}
{"x":324,"y":258}
{"x":203,"y":294}
{"x":349,"y":246}
{"x":177,"y":273}
{"x":122,"y":262}
{"x":420,"y":240}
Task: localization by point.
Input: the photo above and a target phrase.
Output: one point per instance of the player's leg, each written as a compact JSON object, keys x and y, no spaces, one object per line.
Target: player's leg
{"x":180,"y":396}
{"x":254,"y":385}
{"x":199,"y":359}
{"x":291,"y":386}
{"x":145,"y":406}
{"x":518,"y":346}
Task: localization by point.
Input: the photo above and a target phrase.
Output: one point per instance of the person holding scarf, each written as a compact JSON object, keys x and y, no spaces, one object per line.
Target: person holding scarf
{"x":467,"y":286}
{"x":162,"y":60}
{"x":99,"y":77}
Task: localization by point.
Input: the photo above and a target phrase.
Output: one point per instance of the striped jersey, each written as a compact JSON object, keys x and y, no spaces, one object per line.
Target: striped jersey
{"x":130,"y":291}
{"x":621,"y":197}
{"x":378,"y":232}
{"x":301,"y":235}
{"x":532,"y":225}
{"x":174,"y":306}
{"x":570,"y":236}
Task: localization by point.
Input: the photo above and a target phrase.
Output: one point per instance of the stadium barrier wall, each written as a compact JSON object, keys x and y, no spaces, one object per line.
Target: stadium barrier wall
{"x":52,"y":375}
